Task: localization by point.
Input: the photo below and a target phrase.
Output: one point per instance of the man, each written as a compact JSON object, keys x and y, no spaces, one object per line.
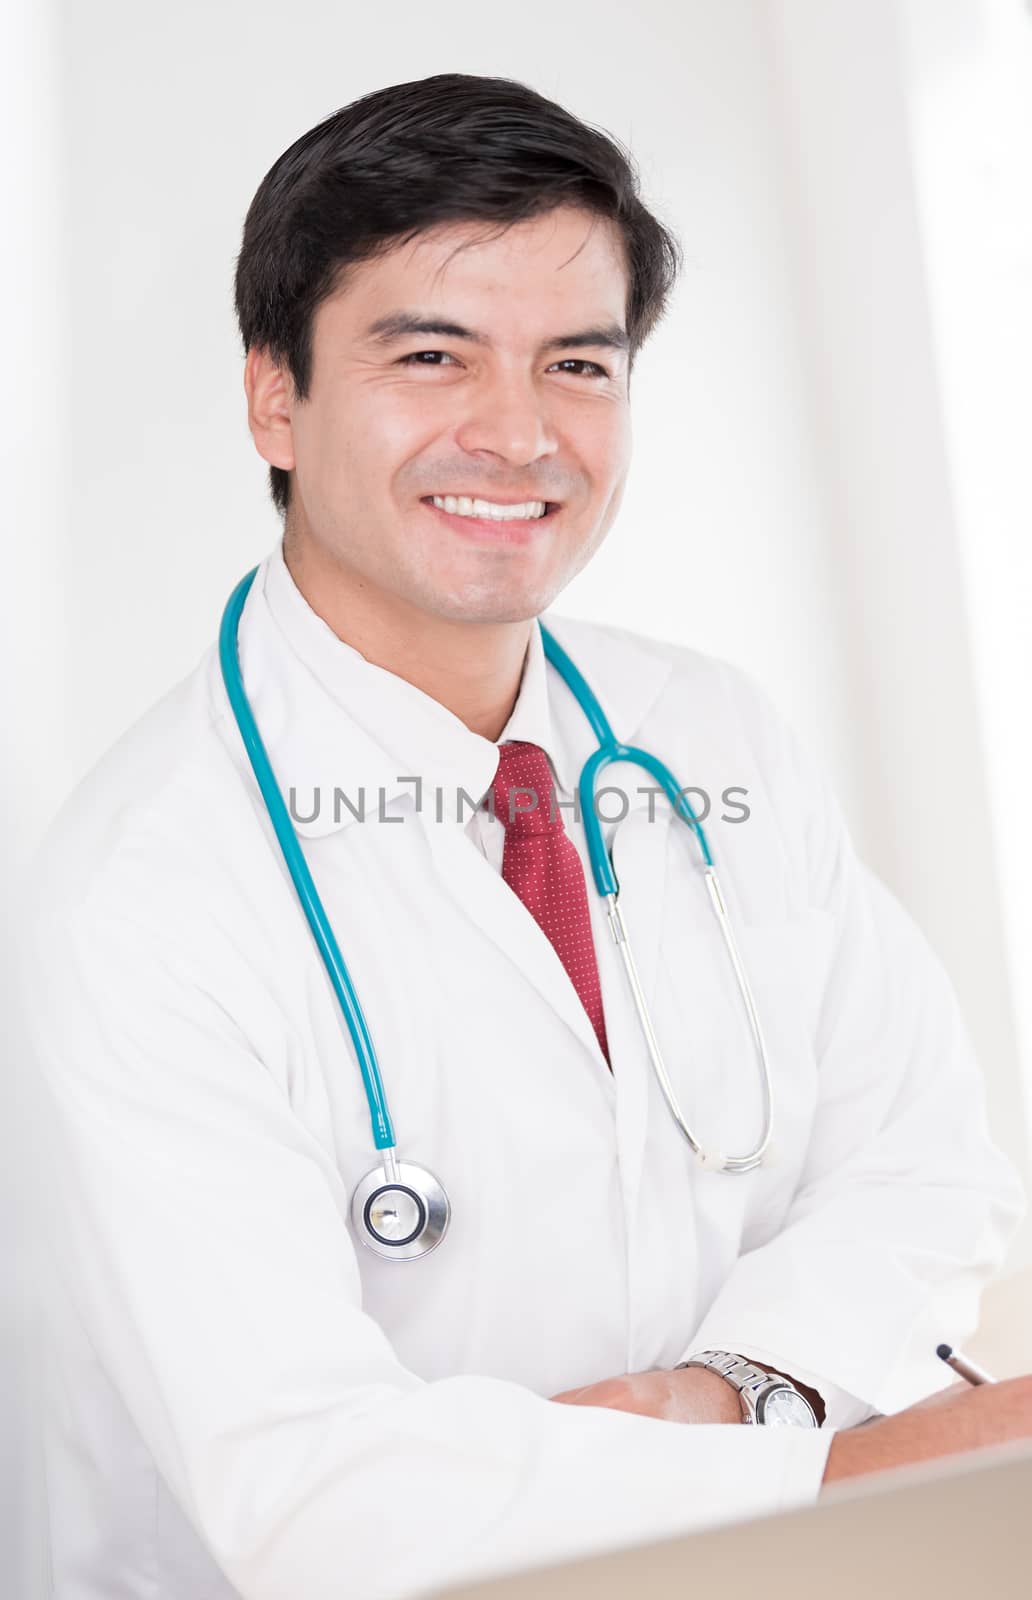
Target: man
{"x":441,"y":290}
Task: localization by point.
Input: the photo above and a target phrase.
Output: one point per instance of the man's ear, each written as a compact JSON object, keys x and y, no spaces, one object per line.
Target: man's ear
{"x":270,"y":395}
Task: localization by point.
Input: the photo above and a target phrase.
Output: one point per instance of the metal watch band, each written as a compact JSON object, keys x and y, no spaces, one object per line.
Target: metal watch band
{"x":747,"y":1379}
{"x":736,"y":1369}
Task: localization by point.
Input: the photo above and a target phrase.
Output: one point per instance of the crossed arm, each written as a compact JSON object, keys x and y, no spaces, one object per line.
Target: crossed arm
{"x":687,"y":1394}
{"x":904,"y":1205}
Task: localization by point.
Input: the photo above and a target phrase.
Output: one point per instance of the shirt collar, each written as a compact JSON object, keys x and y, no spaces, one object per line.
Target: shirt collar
{"x":532,"y":719}
{"x":338,"y":726}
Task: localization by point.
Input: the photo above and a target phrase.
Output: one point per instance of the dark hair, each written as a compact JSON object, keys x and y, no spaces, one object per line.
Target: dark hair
{"x":448,"y":148}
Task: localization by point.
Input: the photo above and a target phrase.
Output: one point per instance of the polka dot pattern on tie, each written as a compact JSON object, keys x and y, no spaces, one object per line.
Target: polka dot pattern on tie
{"x":541,"y":865}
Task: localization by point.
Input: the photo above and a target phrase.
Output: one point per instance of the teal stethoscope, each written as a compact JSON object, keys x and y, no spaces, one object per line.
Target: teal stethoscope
{"x":398,"y":1209}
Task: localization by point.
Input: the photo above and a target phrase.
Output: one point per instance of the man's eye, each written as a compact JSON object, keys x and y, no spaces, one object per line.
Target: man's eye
{"x":418,"y":358}
{"x":596,"y":370}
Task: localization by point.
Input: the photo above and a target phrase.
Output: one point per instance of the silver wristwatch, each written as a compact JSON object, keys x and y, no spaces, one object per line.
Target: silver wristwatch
{"x":766,"y":1399}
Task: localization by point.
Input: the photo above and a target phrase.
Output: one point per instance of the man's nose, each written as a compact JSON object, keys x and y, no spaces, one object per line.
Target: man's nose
{"x":510,"y":417}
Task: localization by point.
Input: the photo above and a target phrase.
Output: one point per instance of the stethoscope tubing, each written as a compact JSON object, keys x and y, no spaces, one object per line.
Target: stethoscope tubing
{"x":610,"y":750}
{"x":297,"y":866}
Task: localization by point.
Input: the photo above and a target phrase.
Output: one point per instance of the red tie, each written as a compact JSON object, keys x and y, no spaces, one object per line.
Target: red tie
{"x":540,"y":863}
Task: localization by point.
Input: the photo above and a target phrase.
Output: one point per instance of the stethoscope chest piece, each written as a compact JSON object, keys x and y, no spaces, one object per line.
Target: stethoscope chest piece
{"x":400,"y":1216}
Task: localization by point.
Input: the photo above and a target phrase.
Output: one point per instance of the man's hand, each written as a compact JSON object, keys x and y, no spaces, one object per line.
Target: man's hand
{"x":949,"y":1422}
{"x":692,"y":1394}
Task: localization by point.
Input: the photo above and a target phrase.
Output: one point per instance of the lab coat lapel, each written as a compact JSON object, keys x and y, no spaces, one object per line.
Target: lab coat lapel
{"x":482,"y":895}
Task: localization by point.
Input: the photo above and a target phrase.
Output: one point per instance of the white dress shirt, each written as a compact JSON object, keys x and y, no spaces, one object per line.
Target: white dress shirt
{"x":249,"y":1402}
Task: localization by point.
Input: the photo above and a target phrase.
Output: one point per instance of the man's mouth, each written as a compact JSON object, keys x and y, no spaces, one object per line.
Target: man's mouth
{"x":491,"y":510}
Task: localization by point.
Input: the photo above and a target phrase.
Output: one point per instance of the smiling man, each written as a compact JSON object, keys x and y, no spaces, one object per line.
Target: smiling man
{"x":309,"y":1344}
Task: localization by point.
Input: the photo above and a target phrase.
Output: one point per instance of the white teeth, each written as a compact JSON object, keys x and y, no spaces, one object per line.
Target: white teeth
{"x":462,"y":506}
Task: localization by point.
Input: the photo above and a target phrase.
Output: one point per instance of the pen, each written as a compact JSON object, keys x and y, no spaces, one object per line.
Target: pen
{"x":962,"y":1365}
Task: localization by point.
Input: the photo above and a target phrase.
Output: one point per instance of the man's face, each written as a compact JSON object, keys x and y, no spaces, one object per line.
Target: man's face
{"x":528,"y":404}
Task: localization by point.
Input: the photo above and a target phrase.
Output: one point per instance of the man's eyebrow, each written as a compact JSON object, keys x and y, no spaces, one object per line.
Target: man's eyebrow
{"x":402,"y":324}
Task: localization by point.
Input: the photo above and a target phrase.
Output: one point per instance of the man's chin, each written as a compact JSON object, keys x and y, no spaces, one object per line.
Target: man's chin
{"x":475,"y":605}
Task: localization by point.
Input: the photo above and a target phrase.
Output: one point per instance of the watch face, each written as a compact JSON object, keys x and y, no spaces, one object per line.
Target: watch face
{"x":784,"y":1408}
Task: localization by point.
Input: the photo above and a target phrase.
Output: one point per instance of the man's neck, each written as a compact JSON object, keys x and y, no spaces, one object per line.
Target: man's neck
{"x":473,"y":669}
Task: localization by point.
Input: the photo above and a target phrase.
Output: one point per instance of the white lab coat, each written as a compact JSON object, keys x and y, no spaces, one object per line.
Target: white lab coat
{"x":246,"y":1400}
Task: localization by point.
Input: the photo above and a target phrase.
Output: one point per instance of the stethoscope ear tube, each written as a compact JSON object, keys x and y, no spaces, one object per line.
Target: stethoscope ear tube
{"x":710,"y":1160}
{"x":610,"y":750}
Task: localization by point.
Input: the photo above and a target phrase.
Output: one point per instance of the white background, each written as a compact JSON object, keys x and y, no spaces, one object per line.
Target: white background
{"x":832,"y":482}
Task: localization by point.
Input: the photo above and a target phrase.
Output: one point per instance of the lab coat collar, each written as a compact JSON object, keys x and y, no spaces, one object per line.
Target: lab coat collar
{"x":332,"y":720}
{"x":348,"y":738}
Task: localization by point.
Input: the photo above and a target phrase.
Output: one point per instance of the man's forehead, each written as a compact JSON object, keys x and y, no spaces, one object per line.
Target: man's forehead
{"x":411,"y":287}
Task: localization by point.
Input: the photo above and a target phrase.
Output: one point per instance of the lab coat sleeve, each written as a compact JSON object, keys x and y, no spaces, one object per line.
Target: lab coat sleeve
{"x":905,"y":1206}
{"x":202,"y":1233}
